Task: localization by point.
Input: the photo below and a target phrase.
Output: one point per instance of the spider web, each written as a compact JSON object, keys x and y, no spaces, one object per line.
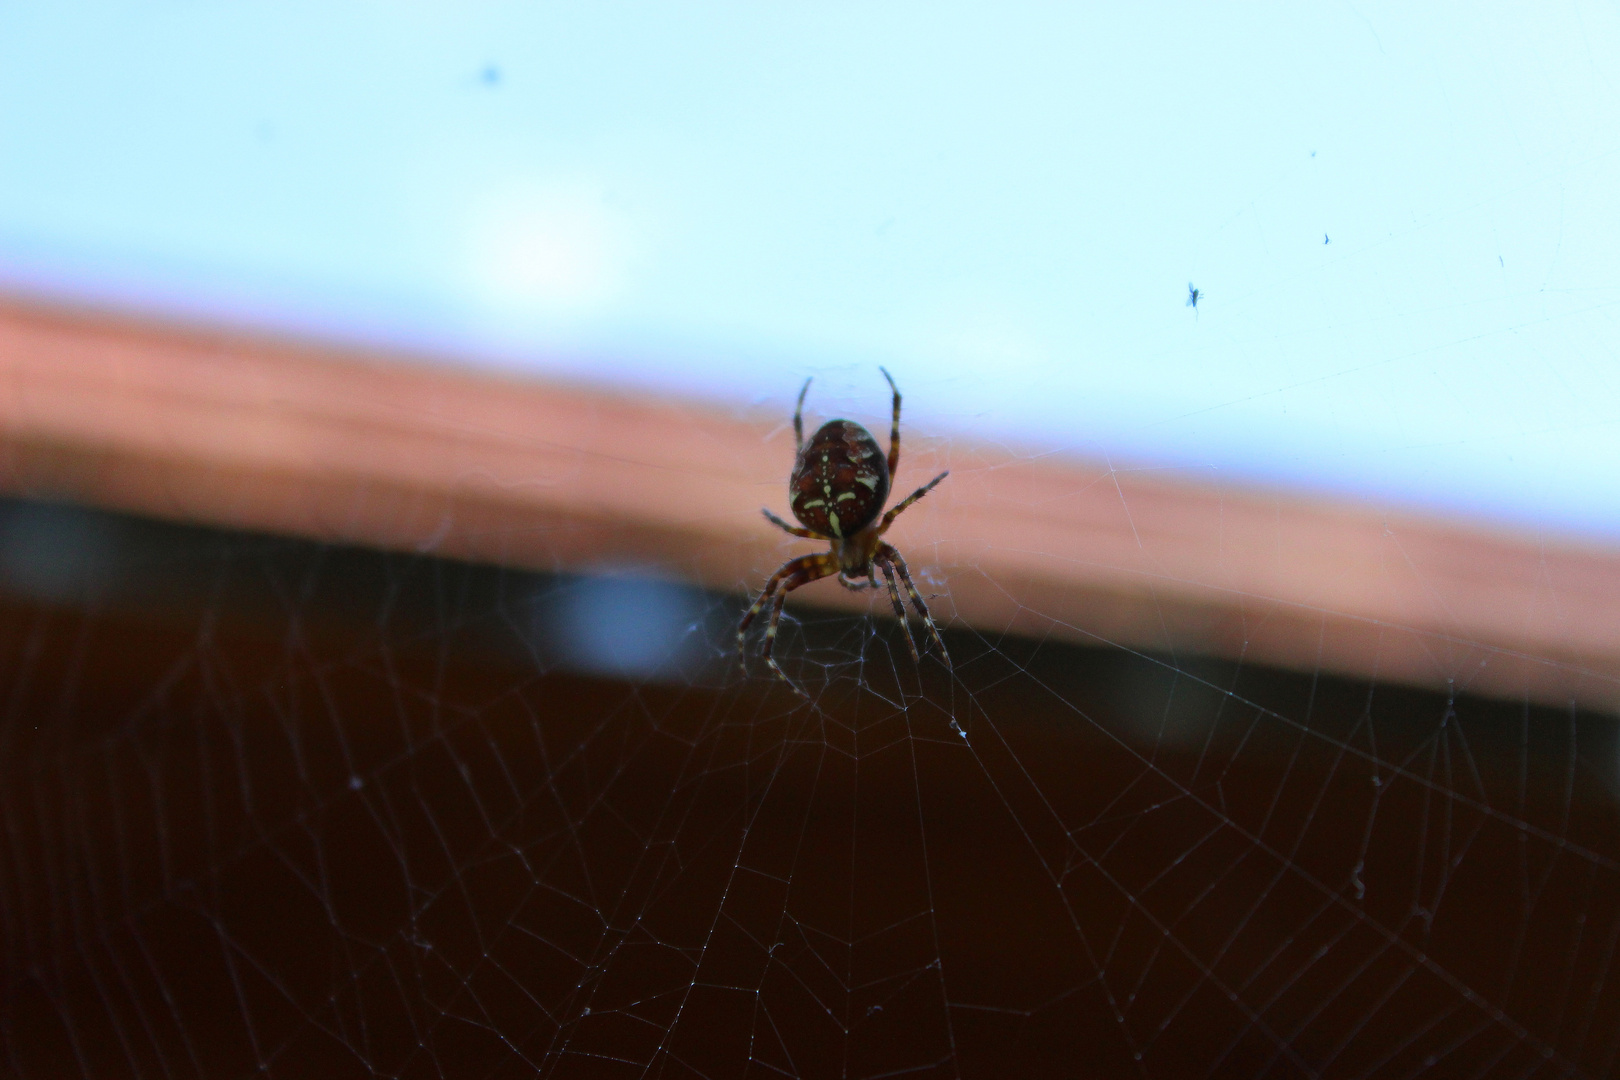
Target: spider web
{"x":278,"y":808}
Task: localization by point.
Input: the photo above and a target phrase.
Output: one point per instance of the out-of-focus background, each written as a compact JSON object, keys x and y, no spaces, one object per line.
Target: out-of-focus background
{"x":1400,"y":222}
{"x":388,"y":393}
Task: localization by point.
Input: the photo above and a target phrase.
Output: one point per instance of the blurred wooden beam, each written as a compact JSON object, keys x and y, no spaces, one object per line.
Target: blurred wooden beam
{"x":395,"y":452}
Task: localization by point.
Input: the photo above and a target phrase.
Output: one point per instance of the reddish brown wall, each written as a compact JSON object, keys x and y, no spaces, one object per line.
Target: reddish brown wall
{"x":398,"y":453}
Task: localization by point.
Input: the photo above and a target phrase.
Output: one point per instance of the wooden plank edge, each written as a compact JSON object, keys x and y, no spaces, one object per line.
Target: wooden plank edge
{"x":229,"y":429}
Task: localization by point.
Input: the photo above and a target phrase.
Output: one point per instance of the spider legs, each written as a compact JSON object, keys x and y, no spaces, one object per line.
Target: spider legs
{"x":855,"y":584}
{"x":798,"y":419}
{"x":894,"y":429}
{"x":792,"y":530}
{"x":889,"y":556}
{"x":894,"y":511}
{"x":790,"y":569}
{"x":899,"y":608}
{"x":796,"y":572}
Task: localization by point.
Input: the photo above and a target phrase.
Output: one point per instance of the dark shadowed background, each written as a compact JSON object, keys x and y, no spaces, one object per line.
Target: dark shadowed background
{"x":283,"y":808}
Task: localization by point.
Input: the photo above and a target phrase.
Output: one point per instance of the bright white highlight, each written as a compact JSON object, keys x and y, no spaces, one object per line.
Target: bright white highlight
{"x":547,"y":251}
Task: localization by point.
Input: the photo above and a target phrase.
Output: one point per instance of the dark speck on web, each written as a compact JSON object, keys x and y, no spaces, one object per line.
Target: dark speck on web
{"x":491,"y":75}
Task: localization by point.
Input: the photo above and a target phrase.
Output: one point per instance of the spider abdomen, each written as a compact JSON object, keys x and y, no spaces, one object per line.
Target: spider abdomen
{"x":840,"y":481}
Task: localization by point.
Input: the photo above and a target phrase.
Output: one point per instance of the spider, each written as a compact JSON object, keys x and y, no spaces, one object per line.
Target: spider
{"x":840,"y":481}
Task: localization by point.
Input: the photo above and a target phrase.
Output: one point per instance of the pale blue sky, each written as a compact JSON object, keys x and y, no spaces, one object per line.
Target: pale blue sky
{"x":1003,"y":204}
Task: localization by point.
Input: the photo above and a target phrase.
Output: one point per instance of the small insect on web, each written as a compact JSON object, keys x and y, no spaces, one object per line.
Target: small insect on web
{"x":839,"y":483}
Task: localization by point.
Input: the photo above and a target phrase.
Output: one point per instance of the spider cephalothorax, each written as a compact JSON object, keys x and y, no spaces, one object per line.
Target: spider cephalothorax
{"x":839,"y":484}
